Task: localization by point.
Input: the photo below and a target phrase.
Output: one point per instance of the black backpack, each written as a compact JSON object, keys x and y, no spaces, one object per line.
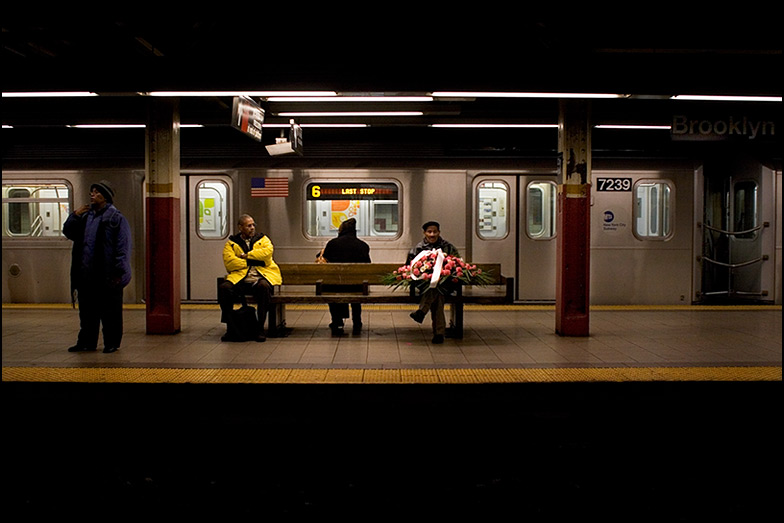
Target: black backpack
{"x":242,"y":324}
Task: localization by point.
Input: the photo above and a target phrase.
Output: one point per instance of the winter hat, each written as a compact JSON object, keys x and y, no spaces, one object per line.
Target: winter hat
{"x":349,"y":225}
{"x":105,"y":189}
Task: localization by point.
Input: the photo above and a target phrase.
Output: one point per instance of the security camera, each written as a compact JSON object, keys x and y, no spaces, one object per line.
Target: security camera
{"x":287,"y":146}
{"x":280,"y":147}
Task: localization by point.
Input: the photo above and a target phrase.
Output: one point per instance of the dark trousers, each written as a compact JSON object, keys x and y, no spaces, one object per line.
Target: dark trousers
{"x":433,"y":301}
{"x":229,"y":294}
{"x":338,"y":311}
{"x":100,"y":306}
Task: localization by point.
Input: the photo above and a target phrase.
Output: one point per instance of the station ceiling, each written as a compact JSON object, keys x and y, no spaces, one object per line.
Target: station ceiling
{"x":647,"y":55}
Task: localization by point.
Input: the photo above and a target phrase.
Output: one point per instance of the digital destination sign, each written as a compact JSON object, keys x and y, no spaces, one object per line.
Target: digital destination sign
{"x":352,"y":191}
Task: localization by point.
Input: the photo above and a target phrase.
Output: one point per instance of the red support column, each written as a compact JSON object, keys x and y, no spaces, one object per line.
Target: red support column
{"x":574,"y":220}
{"x":162,"y":294}
{"x":573,"y":260}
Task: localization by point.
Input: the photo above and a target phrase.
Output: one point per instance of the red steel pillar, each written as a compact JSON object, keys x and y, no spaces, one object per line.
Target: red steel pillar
{"x":574,"y":219}
{"x":162,"y":157}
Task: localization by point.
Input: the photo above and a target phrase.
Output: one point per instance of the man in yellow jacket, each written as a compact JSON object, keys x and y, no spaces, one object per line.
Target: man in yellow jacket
{"x":251,"y":270}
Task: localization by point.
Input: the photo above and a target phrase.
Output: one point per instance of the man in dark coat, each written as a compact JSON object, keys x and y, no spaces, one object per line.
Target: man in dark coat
{"x":432,"y":300}
{"x":346,"y":248}
{"x":100,"y":268}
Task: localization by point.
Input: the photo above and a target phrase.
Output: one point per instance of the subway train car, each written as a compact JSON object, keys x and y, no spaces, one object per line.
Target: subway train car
{"x":662,"y":231}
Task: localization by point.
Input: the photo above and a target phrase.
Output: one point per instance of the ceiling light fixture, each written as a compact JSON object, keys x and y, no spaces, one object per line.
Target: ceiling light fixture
{"x":483,"y":94}
{"x":53,"y":94}
{"x":108,"y":126}
{"x":724,"y":98}
{"x":353,"y":113}
{"x":495,"y":125}
{"x":350,"y":99}
{"x":314,"y":125}
{"x":634,"y":127}
{"x":259,"y":94}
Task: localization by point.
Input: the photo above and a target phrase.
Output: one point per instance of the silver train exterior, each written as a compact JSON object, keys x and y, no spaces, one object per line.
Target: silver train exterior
{"x":663,"y":232}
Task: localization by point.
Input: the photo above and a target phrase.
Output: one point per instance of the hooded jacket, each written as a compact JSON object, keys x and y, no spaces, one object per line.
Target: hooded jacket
{"x":259,"y":255}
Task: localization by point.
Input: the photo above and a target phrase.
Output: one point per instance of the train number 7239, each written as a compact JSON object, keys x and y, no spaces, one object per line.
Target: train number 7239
{"x":613,"y":184}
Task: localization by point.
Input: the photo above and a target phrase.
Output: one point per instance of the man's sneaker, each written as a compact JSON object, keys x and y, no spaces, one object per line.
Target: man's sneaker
{"x":109,"y":350}
{"x":438,"y":338}
{"x":418,"y":316}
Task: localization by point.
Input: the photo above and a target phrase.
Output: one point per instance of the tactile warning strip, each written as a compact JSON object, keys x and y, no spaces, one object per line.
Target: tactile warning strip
{"x":468,"y":375}
{"x":510,"y":307}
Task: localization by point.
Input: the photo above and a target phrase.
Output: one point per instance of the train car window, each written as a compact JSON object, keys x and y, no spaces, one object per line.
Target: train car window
{"x":212,"y":212}
{"x":375,"y":206}
{"x":653,"y":209}
{"x":745,"y":209}
{"x":35,"y":210}
{"x":384,"y":217}
{"x":492,"y":214}
{"x":541,"y":210}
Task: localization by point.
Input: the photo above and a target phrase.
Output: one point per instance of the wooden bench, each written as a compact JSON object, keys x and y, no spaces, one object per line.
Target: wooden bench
{"x":309,"y":283}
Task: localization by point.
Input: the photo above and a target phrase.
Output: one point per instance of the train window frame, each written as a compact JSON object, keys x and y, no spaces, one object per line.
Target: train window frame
{"x":311,"y":208}
{"x":10,"y":184}
{"x":542,"y":235}
{"x":665,"y":217}
{"x":478,"y":217}
{"x":227,"y":215}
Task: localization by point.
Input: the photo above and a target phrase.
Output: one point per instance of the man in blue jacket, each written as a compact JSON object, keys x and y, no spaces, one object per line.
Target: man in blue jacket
{"x":100,"y":268}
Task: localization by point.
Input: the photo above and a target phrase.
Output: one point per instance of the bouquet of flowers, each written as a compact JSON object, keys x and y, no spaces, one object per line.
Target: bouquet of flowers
{"x":436,"y":270}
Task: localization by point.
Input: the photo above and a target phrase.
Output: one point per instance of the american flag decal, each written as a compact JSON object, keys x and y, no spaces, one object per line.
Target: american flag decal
{"x":268,"y":187}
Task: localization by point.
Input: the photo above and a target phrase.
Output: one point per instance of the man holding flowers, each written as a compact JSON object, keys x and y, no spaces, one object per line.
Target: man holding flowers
{"x":432,"y":299}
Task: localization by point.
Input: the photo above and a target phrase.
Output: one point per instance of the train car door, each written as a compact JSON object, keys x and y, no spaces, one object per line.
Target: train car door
{"x":207,"y":223}
{"x":514,"y":224}
{"x":536,"y":240}
{"x":737,"y":232}
{"x":641,"y":241}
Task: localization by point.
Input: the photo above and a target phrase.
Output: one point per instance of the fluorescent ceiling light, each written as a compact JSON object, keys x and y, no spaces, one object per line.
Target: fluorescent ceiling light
{"x":53,"y":94}
{"x":482,"y":94}
{"x":357,"y":113}
{"x":350,"y":99}
{"x":496,"y":125}
{"x":260,"y":94}
{"x":313,"y":125}
{"x":109,"y":126}
{"x":127,"y":126}
{"x":633,"y":127}
{"x":718,"y":98}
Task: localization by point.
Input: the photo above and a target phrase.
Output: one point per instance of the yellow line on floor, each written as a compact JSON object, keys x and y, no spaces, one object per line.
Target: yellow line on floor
{"x":512,"y":307}
{"x":422,"y":375}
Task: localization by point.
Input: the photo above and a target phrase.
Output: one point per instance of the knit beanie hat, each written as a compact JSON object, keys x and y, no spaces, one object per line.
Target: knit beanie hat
{"x":105,"y":189}
{"x":349,"y":225}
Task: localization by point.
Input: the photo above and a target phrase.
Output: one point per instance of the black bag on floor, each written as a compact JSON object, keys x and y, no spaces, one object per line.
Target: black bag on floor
{"x":242,"y":324}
